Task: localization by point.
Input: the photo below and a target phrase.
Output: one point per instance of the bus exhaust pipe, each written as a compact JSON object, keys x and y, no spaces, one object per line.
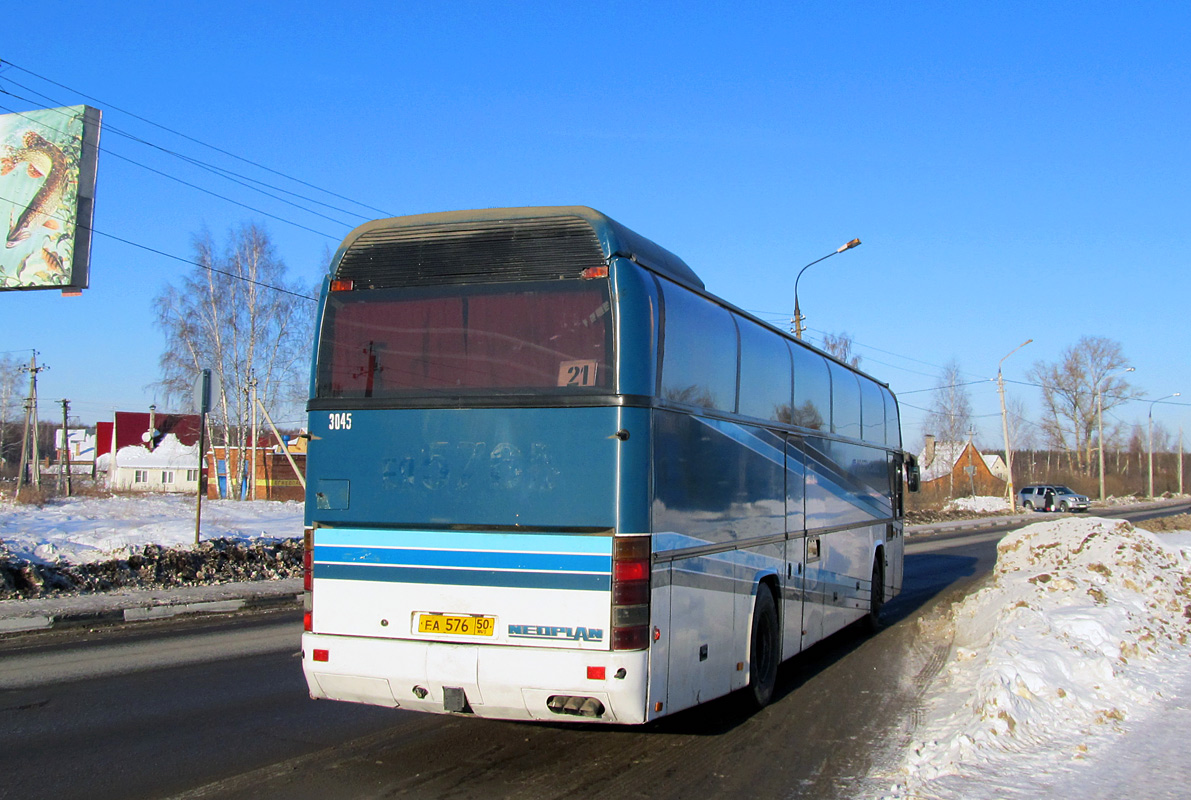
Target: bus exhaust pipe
{"x":575,"y":706}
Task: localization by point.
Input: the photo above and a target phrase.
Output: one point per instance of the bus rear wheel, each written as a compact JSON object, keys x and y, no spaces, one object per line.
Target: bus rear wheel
{"x":876,"y":601}
{"x":765,"y":652}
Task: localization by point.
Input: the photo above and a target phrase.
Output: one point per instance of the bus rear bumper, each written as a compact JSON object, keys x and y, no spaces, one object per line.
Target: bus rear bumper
{"x":494,"y":681}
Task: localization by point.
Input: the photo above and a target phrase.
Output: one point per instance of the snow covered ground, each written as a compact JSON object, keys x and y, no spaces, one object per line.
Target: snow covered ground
{"x":1068,"y":671}
{"x":89,"y":529}
{"x":979,"y":504}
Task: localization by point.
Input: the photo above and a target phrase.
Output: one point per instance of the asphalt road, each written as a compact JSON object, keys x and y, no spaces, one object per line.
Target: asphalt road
{"x":218,"y":708}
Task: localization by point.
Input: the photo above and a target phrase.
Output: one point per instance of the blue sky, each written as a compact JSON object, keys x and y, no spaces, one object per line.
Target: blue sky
{"x":1014,"y":170}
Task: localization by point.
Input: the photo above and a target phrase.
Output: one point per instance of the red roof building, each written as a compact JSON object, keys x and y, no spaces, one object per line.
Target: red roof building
{"x":131,"y":427}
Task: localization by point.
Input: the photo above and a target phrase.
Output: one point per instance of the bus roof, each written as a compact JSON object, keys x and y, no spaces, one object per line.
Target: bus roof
{"x":381,"y":244}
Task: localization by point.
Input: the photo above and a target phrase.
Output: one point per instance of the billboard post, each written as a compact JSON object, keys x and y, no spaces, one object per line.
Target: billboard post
{"x":204,"y":388}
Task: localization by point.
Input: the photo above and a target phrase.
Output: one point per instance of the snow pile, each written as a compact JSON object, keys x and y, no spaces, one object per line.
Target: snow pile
{"x":978,"y":504}
{"x":1084,"y":624}
{"x":104,"y":544}
{"x":86,"y":530}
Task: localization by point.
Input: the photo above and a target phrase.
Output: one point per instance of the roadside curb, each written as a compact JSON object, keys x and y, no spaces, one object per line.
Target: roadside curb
{"x":18,"y":616}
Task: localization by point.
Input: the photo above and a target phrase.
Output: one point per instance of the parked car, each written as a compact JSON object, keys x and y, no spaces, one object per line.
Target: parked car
{"x":1050,"y":497}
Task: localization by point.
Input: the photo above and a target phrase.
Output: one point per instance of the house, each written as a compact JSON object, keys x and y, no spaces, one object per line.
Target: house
{"x":153,"y":452}
{"x":274,"y":473}
{"x":79,"y":448}
{"x":996,"y":465}
{"x":954,"y":468}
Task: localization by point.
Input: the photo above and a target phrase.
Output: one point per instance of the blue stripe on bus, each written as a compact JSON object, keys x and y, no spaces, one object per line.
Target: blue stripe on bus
{"x":464,"y":577}
{"x":467,"y":540}
{"x":409,"y":557}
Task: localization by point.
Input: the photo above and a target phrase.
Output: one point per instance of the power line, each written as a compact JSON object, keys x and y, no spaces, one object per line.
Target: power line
{"x":190,"y":262}
{"x":228,"y":153}
{"x":113,"y":154}
{"x":226,"y":174}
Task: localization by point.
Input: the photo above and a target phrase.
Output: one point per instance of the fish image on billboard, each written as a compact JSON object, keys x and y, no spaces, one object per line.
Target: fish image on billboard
{"x":47,"y":182}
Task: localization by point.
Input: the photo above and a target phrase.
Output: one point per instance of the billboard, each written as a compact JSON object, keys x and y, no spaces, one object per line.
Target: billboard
{"x":47,"y":197}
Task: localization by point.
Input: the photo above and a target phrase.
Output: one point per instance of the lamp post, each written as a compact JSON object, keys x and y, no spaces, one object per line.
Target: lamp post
{"x":798,"y":311}
{"x":1100,"y":422}
{"x":1005,"y":429}
{"x":1150,"y":438}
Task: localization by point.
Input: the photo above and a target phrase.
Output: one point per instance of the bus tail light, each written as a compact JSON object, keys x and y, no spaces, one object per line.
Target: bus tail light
{"x":342,"y":285}
{"x":308,"y":580}
{"x":630,"y":592}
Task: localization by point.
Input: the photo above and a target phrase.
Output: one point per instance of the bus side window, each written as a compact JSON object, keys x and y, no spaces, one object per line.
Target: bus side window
{"x":812,"y":389}
{"x":765,"y":372}
{"x":872,"y":411}
{"x":845,"y":401}
{"x":699,"y":351}
{"x":893,"y":431}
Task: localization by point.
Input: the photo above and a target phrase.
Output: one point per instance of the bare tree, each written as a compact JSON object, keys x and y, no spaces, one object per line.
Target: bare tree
{"x":841,"y":347}
{"x":11,"y":380}
{"x":1069,"y":390}
{"x":1022,"y":433}
{"x":950,"y":415}
{"x":225,"y":315}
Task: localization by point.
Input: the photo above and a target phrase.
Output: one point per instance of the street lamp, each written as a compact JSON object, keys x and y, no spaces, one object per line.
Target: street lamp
{"x":1150,"y":438}
{"x":797,"y":311}
{"x":1005,"y":429}
{"x":1100,"y":421}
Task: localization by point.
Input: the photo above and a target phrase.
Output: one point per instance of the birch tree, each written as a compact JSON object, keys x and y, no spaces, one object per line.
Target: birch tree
{"x":226,"y":314}
{"x":840,"y":346}
{"x":11,"y":380}
{"x":950,"y":415}
{"x":1070,"y":386}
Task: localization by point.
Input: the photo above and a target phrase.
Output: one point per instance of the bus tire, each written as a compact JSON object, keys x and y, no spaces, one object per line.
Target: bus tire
{"x":765,"y":650}
{"x":876,"y":597}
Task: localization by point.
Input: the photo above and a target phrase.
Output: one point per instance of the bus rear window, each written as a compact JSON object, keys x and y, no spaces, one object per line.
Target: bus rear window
{"x":526,"y":338}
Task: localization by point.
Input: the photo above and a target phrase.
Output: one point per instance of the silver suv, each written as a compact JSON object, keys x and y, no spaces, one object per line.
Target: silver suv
{"x":1050,"y":497}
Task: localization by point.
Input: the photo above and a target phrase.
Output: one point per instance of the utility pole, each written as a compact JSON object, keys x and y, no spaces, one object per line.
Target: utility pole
{"x":30,"y":448}
{"x":252,"y":388}
{"x":64,"y":453}
{"x":1010,"y":493}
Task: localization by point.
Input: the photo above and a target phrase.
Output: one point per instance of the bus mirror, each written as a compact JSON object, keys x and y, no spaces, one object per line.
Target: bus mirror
{"x":913,"y":477}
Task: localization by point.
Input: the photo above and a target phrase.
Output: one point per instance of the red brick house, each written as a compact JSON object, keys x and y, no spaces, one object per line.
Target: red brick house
{"x":957,"y":469}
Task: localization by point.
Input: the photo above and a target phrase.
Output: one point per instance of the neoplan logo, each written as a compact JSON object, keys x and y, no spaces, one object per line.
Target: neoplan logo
{"x":556,"y":632}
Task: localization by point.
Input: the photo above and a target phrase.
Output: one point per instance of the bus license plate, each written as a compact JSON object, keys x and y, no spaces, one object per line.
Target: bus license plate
{"x":456,"y":626}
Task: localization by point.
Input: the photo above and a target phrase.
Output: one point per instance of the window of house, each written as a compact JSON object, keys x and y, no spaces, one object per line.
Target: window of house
{"x":140,"y":476}
{"x":191,"y":475}
{"x":167,"y":476}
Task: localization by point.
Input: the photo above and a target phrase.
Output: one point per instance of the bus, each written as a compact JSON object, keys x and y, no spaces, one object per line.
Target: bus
{"x":552,"y":477}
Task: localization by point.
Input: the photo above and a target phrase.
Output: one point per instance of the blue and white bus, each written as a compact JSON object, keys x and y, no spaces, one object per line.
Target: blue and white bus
{"x":551,"y":477}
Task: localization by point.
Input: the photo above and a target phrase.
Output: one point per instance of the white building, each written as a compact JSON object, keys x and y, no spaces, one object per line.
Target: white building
{"x":169,"y":467}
